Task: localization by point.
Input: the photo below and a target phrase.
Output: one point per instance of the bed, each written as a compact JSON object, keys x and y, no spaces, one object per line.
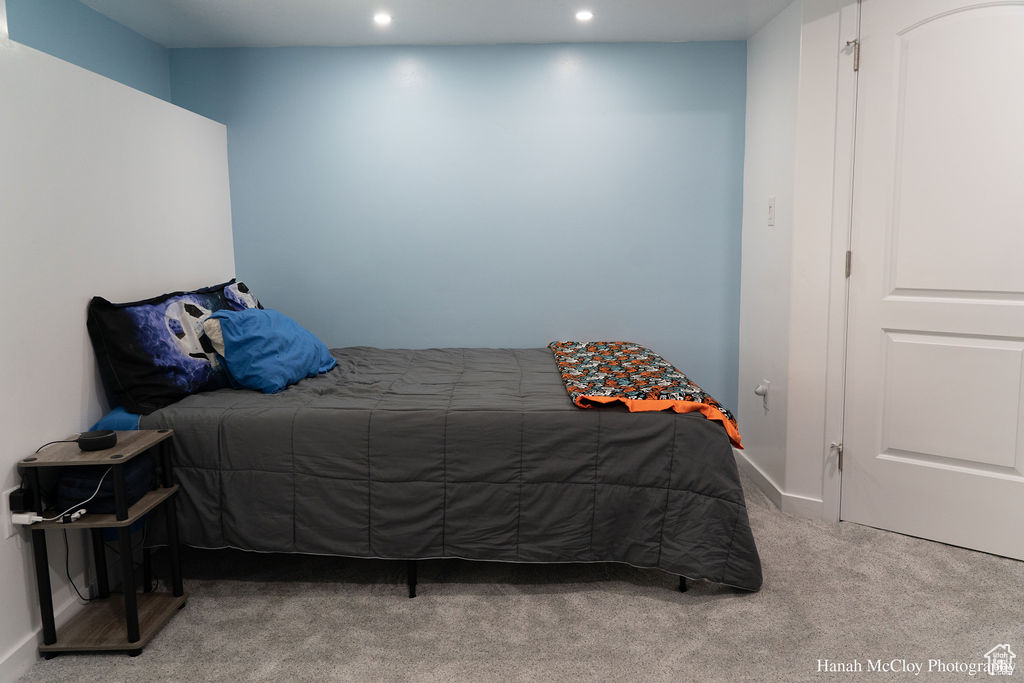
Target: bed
{"x":571,"y":453}
{"x":457,"y":453}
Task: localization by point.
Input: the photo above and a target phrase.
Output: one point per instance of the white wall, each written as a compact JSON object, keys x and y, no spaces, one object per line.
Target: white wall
{"x":773,"y":64}
{"x":103,"y":191}
{"x":800,"y":122}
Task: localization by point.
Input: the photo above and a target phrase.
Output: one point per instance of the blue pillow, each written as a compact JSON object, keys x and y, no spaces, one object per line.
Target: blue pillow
{"x":118,"y":419}
{"x":266,"y":350}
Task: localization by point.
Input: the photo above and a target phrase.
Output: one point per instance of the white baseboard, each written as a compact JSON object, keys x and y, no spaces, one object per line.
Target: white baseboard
{"x":758,"y":476}
{"x":20,"y":658}
{"x":802,"y":506}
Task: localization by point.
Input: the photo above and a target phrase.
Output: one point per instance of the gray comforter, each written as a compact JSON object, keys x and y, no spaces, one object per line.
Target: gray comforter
{"x":470,"y":453}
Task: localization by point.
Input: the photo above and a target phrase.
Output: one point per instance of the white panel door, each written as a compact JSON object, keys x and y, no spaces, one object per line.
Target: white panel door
{"x":934,"y":425}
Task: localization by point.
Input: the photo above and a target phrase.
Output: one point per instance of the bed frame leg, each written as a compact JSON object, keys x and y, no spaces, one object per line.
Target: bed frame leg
{"x":410,"y":577}
{"x":682,"y":584}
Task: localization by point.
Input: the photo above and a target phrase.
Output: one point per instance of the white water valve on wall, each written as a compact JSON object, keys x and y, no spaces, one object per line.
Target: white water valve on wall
{"x":762,"y":391}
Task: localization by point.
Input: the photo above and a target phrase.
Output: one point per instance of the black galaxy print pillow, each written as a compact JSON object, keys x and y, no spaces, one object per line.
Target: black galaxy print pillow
{"x":154,"y":352}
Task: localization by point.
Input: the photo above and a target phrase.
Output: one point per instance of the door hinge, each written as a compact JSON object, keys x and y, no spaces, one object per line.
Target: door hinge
{"x":849,"y":261}
{"x":838,"y":448}
{"x":855,"y":46}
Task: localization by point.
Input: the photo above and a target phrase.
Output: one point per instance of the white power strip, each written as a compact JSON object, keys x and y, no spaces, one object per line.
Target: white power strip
{"x":27,"y":518}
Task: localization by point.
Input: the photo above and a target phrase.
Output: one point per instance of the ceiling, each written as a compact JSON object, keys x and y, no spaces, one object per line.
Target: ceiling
{"x":273,"y":23}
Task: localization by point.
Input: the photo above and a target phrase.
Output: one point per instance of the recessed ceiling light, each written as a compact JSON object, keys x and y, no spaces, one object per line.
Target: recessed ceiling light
{"x":584,"y":15}
{"x":382,"y":18}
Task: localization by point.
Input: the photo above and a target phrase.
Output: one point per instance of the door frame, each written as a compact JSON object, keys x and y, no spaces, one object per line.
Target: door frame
{"x":841,"y":234}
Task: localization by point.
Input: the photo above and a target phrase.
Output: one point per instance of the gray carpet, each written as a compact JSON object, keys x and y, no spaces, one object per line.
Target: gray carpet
{"x":840,"y":592}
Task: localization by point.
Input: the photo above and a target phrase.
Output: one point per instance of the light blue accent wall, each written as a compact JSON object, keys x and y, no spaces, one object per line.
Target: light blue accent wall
{"x":501,"y":196}
{"x":78,"y":34}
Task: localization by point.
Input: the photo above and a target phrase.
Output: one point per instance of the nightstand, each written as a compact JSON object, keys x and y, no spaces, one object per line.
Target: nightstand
{"x":106,"y":623}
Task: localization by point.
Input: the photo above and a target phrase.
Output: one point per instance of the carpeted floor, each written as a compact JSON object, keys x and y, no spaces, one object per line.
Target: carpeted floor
{"x":845,"y":593}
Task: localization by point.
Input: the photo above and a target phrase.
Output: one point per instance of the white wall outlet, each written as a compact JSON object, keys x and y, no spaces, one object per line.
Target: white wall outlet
{"x":771,"y":211}
{"x":5,"y":512}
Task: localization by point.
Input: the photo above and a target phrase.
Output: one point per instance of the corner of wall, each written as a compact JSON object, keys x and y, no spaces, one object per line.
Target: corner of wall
{"x":76,"y":33}
{"x":749,"y":469}
{"x":802,"y":506}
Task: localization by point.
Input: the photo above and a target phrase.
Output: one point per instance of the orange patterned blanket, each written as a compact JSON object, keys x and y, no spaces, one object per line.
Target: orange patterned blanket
{"x":608,"y":372}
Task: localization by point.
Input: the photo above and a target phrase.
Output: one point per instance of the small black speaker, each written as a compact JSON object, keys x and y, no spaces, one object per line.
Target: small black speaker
{"x":97,"y":441}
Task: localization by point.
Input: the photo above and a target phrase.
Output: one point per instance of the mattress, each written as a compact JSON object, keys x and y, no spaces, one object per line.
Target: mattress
{"x":457,"y":453}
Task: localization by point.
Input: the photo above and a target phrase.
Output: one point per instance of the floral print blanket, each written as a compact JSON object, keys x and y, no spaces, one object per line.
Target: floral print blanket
{"x":608,"y":372}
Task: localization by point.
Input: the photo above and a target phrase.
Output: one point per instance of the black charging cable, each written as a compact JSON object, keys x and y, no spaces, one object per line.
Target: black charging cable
{"x":67,"y":568}
{"x":50,"y":443}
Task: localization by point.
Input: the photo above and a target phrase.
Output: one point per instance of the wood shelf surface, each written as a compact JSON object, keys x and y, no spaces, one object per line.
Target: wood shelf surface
{"x":129,"y":444}
{"x":102,"y":521}
{"x":100,"y":626}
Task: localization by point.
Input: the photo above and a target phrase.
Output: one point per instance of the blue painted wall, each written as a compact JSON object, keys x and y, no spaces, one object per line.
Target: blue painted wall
{"x":489,"y":195}
{"x":75,"y":33}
